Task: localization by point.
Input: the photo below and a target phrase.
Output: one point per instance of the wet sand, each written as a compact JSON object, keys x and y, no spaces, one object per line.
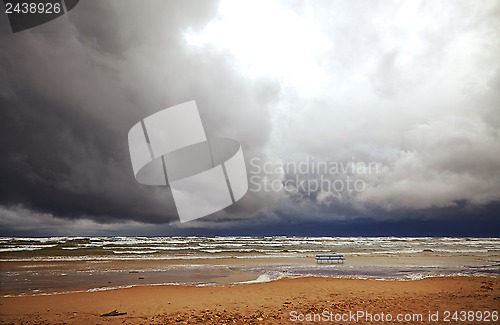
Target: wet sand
{"x":41,"y":277}
{"x":276,"y":302}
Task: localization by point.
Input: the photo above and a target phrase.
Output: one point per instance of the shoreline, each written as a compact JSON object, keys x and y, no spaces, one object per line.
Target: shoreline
{"x":41,"y":278}
{"x":251,"y":281}
{"x":271,"y":302}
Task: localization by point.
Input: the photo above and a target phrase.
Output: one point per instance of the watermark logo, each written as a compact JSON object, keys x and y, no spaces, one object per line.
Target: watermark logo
{"x":310,"y":176}
{"x":25,"y":14}
{"x":170,"y":148}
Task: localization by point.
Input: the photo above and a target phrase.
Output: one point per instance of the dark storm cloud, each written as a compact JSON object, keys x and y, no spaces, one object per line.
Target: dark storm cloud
{"x":97,"y":26}
{"x":59,"y":154}
{"x":72,"y":90}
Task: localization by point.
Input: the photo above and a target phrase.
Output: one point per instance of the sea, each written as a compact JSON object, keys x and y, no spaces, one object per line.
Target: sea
{"x":51,"y":265}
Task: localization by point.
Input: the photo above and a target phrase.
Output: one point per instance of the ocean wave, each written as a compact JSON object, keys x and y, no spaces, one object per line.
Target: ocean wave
{"x":101,"y":247}
{"x":134,"y":252}
{"x":26,"y":248}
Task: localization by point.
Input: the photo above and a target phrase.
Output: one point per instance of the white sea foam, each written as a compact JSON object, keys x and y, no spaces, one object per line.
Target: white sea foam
{"x":26,"y":248}
{"x":176,"y":247}
{"x":134,"y":252}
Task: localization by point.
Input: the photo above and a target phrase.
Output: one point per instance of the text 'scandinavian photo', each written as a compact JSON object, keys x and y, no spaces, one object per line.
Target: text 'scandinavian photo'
{"x":249,"y":162}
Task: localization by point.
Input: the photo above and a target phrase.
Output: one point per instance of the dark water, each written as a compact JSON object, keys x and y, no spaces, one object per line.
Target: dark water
{"x":115,"y":248}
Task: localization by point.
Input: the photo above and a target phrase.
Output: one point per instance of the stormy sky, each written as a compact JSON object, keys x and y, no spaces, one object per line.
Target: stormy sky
{"x":410,"y":87}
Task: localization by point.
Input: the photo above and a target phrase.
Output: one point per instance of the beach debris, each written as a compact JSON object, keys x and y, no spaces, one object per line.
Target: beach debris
{"x":114,"y":313}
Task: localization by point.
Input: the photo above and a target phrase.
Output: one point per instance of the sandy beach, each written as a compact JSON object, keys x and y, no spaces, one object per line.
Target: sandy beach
{"x":277,"y":302}
{"x":241,"y":280}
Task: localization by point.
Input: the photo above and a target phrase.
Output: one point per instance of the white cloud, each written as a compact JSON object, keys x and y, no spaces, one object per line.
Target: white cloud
{"x":268,"y":39}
